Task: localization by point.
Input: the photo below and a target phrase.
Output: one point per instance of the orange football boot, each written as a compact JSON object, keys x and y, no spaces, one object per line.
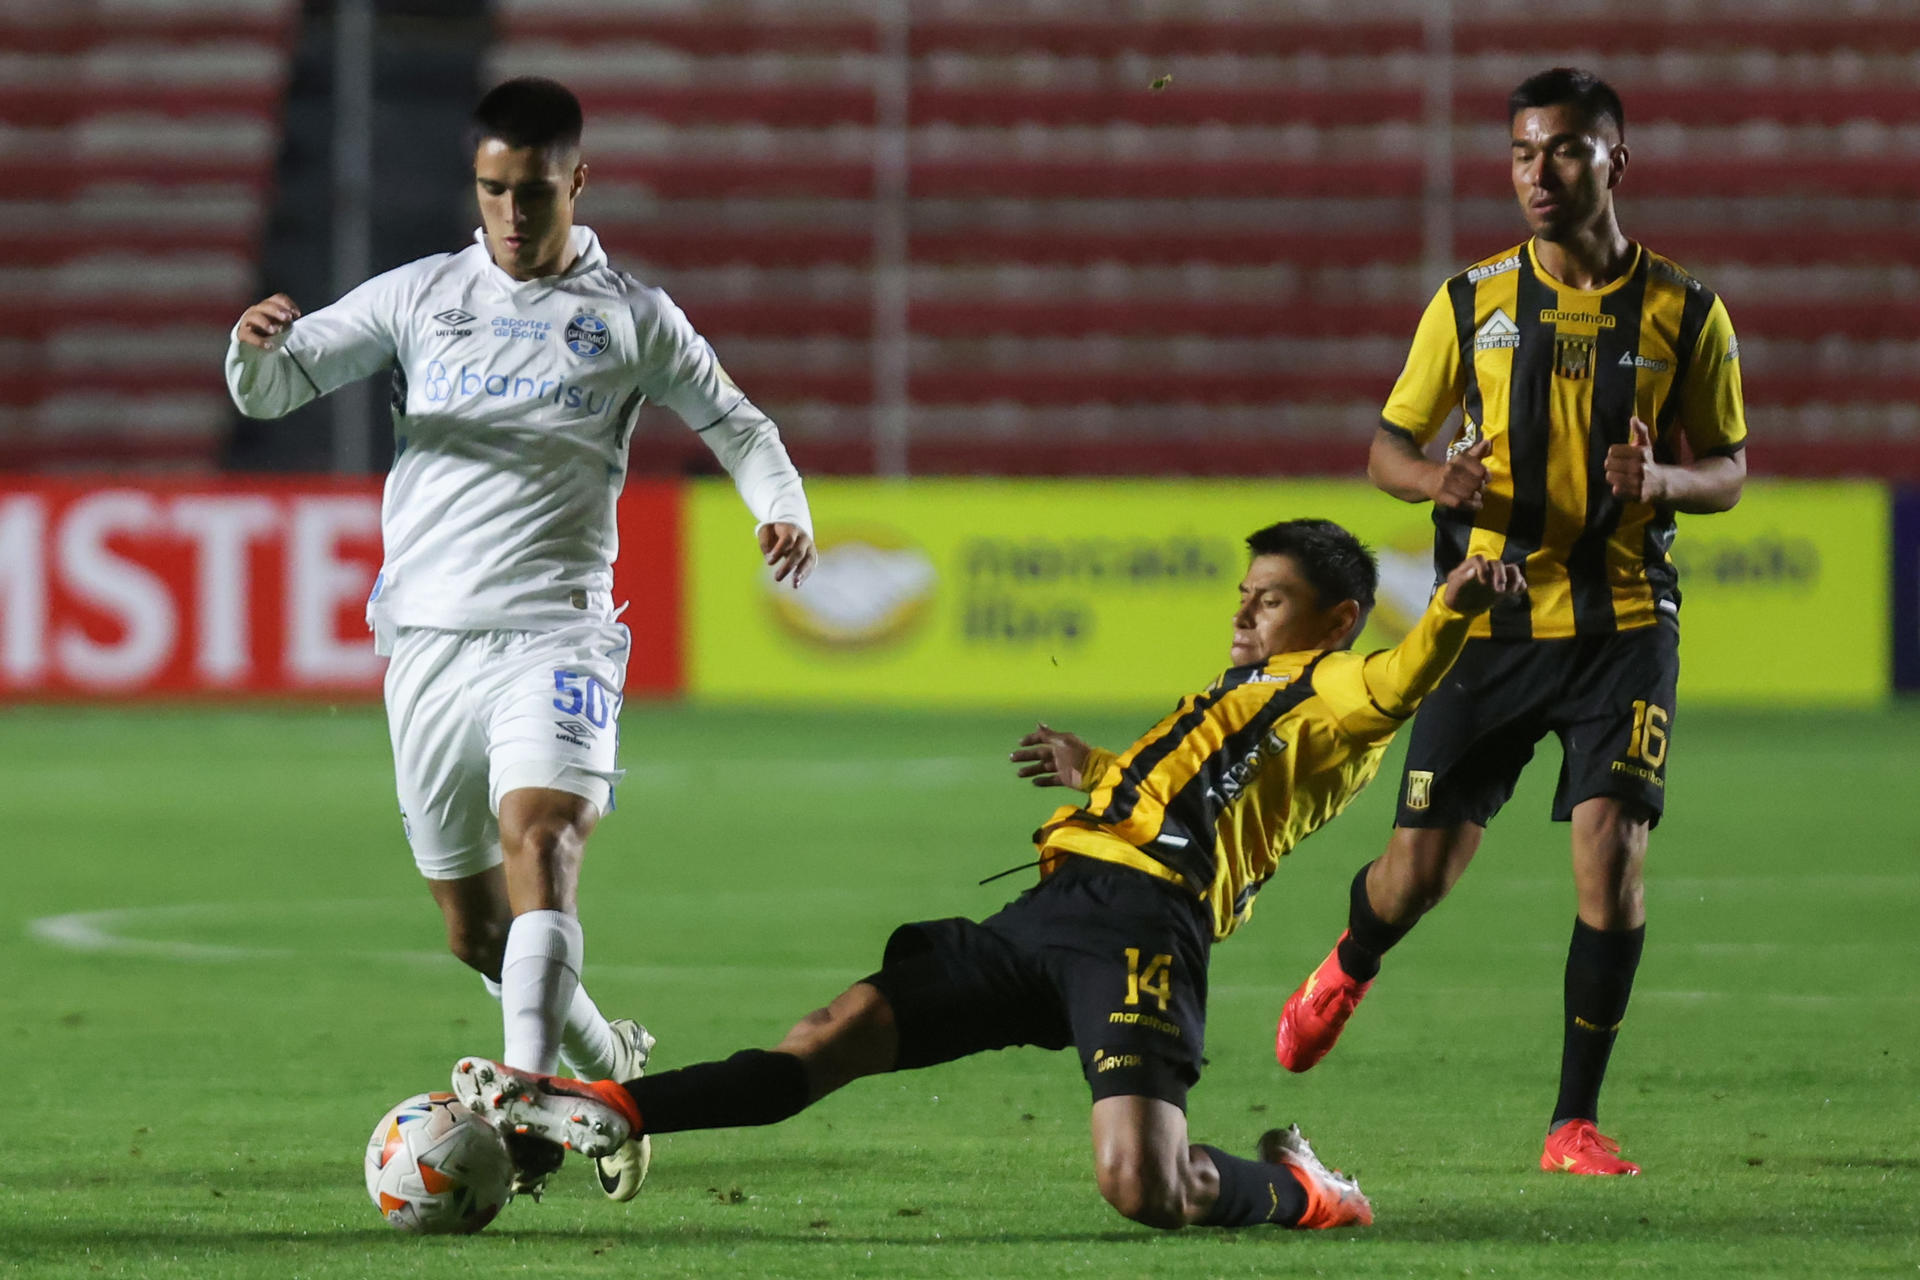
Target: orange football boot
{"x":1314,"y":1015}
{"x":593,"y":1118}
{"x":1333,"y":1198}
{"x":1578,"y":1147}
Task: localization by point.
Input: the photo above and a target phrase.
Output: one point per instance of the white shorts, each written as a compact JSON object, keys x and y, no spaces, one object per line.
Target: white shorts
{"x":476,"y":714}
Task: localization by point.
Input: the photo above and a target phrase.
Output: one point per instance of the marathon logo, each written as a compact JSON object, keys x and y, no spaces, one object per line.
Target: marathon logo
{"x":1146,"y":1020}
{"x":1598,"y":320}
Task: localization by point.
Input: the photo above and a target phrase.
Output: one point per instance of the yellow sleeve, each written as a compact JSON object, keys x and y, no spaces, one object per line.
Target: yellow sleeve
{"x":1372,"y":696}
{"x":1433,"y":383}
{"x":1712,"y":412}
{"x":1099,"y":760}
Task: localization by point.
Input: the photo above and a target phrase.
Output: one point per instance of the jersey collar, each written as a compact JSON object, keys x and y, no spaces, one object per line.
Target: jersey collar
{"x":587,"y":256}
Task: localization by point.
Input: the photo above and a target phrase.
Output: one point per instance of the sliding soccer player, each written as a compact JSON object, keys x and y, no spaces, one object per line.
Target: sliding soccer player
{"x":1108,"y":954}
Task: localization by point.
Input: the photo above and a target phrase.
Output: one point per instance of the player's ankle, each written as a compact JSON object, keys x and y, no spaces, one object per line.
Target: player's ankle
{"x":617,"y":1096}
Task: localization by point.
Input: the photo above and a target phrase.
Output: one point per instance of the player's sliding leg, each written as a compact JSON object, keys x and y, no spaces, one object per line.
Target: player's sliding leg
{"x":1609,"y":850}
{"x":1387,"y":898}
{"x":852,"y":1037}
{"x":1149,"y":1172}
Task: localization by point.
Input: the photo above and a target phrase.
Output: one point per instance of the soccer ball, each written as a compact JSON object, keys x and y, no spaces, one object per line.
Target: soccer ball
{"x":433,"y":1168}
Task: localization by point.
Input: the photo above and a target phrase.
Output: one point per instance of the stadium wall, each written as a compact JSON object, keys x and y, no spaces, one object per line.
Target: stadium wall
{"x":942,"y":593}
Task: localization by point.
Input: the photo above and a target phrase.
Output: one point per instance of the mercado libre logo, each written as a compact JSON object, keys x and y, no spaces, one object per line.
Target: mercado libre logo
{"x":1054,"y":591}
{"x":873,"y":587}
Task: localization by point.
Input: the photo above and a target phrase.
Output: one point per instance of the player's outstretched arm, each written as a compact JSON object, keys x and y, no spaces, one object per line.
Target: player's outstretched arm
{"x":1400,"y":677}
{"x":1477,"y":582}
{"x":1056,"y":758}
{"x":275,"y":365}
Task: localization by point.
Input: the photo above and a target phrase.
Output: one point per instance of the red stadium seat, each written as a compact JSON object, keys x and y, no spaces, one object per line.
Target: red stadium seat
{"x":140,"y":142}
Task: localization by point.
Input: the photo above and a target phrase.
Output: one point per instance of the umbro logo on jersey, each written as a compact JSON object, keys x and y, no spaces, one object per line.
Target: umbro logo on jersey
{"x":574,"y":731}
{"x":456,"y":321}
{"x":1498,"y":332}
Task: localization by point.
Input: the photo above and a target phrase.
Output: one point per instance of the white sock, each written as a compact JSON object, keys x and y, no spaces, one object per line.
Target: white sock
{"x":586,"y":1041}
{"x":538,"y":979}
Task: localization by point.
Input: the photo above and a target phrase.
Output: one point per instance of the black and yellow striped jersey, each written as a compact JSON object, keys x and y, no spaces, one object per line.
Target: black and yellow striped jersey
{"x":1551,"y":376}
{"x":1217,"y":793}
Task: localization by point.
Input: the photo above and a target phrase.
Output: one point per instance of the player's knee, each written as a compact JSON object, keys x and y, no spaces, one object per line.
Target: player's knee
{"x":550,"y":841}
{"x":479,"y":944}
{"x":1421,"y":866}
{"x":854,"y":1036}
{"x":1143,"y":1193}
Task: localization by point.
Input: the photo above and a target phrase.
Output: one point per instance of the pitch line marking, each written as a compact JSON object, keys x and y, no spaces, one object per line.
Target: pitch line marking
{"x":105,"y":933}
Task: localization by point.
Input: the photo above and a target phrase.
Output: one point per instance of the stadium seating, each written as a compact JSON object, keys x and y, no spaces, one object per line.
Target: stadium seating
{"x":1214,"y":275}
{"x":1220,"y":272}
{"x":139,"y":138}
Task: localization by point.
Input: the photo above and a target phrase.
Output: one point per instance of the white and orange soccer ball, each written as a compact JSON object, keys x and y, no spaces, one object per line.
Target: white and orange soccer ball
{"x":433,"y":1168}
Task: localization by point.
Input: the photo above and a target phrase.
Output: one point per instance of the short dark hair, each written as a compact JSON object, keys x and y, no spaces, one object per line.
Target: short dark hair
{"x":531,"y":111}
{"x":1335,"y":563}
{"x":1593,"y":97}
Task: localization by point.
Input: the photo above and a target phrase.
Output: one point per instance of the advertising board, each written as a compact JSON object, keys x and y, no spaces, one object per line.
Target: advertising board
{"x":244,"y":587}
{"x":1043,"y":593}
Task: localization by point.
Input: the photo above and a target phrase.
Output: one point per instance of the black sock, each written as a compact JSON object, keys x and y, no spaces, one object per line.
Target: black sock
{"x":1253,"y":1192}
{"x":1368,"y":936}
{"x":754,"y":1086}
{"x":1600,"y":968}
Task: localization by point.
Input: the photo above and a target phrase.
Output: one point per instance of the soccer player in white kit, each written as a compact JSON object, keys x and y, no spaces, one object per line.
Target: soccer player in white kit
{"x":519,"y":366}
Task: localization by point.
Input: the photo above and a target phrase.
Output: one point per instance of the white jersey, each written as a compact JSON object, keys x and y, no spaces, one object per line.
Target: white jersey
{"x":513,"y":402}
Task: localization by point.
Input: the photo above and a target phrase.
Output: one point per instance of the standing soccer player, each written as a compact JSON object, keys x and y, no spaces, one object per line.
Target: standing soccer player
{"x":519,"y":366}
{"x":1581,"y":361}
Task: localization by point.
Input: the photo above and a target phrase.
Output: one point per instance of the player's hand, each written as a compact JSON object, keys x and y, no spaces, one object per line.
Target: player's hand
{"x":1052,"y":758}
{"x":262,"y":323}
{"x":1477,"y":582}
{"x":789,"y":552}
{"x":1632,"y":473}
{"x":1461,"y":485}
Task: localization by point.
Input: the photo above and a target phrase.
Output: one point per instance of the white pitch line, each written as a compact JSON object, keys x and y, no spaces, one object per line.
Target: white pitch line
{"x":99,"y":932}
{"x":105,"y":933}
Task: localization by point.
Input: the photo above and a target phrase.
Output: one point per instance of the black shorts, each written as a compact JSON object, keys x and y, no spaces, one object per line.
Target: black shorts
{"x":1609,"y":698}
{"x":1098,"y":956}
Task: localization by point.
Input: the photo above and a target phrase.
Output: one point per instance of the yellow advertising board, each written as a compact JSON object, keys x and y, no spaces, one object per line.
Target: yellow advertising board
{"x":1042,"y":594}
{"x":1785,"y":599}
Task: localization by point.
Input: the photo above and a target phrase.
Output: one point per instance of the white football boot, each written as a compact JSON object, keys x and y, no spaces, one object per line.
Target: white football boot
{"x":569,"y":1115}
{"x":623,"y":1173}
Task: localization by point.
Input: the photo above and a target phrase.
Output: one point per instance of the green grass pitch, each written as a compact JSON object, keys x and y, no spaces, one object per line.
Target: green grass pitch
{"x":220,"y":969}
